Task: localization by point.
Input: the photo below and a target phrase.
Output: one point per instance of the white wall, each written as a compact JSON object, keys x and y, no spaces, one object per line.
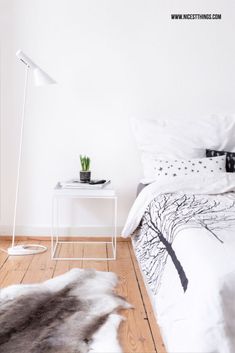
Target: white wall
{"x":112,"y":59}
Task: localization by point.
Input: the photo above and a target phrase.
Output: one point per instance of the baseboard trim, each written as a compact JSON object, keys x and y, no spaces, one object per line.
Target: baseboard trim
{"x":64,"y":238}
{"x":40,"y":231}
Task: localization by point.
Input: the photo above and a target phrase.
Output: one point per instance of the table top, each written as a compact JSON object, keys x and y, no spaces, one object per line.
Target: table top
{"x":106,"y":192}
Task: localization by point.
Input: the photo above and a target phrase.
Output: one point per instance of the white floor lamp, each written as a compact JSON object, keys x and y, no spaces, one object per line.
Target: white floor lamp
{"x":40,"y":78}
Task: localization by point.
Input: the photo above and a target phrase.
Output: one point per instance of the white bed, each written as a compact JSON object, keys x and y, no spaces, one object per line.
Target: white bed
{"x":183,"y":229}
{"x":192,"y":284}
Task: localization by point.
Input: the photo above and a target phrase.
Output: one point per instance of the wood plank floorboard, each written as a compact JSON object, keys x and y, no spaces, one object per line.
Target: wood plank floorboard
{"x":4,"y":255}
{"x":148,"y":307}
{"x":139,"y":333}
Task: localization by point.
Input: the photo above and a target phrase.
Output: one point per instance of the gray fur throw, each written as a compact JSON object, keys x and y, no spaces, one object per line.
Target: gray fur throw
{"x":71,"y":313}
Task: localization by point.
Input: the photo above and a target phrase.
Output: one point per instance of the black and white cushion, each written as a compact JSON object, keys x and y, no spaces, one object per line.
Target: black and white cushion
{"x":230,"y":158}
{"x":182,"y":167}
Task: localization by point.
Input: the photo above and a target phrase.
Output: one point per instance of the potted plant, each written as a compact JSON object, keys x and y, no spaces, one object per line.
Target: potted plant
{"x":85,"y":174}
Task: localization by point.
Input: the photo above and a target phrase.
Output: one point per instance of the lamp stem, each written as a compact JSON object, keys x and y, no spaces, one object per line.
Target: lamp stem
{"x":20,"y":153}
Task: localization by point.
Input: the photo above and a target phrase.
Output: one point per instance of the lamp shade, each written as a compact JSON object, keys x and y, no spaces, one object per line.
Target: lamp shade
{"x":40,"y":77}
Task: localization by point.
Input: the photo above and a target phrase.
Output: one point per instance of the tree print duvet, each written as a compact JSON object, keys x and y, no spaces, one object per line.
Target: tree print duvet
{"x":184,"y":240}
{"x":164,"y":218}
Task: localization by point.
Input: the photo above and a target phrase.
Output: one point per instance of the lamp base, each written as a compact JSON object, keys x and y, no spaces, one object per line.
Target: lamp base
{"x":28,"y":249}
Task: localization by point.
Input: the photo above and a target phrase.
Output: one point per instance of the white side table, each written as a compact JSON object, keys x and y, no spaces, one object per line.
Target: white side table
{"x":59,"y":194}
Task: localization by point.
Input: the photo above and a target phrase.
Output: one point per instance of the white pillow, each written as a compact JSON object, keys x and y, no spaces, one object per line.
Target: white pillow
{"x":184,"y":138}
{"x":181,"y":167}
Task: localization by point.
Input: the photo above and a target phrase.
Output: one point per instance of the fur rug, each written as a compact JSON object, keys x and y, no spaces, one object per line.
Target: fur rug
{"x":72,"y":313}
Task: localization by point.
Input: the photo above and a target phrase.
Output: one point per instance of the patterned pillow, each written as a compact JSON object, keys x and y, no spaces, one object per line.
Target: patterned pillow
{"x":183,"y":167}
{"x":230,"y":158}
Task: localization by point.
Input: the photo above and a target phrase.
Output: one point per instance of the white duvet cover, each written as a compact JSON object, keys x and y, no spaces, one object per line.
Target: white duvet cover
{"x":186,"y":250}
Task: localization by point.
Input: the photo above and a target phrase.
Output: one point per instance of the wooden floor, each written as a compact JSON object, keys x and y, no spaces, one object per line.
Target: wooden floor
{"x":139,"y":333}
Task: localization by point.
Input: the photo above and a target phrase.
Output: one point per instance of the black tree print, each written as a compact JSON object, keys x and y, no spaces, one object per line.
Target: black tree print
{"x":165,"y":216}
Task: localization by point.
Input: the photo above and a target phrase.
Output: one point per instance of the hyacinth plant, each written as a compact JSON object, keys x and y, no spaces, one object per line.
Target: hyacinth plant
{"x":85,"y":163}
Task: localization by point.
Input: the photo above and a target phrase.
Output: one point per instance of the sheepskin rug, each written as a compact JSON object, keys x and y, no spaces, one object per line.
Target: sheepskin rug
{"x":72,"y":313}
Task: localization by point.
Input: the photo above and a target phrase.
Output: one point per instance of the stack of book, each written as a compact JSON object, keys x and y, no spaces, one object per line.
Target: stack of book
{"x":77,"y":184}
